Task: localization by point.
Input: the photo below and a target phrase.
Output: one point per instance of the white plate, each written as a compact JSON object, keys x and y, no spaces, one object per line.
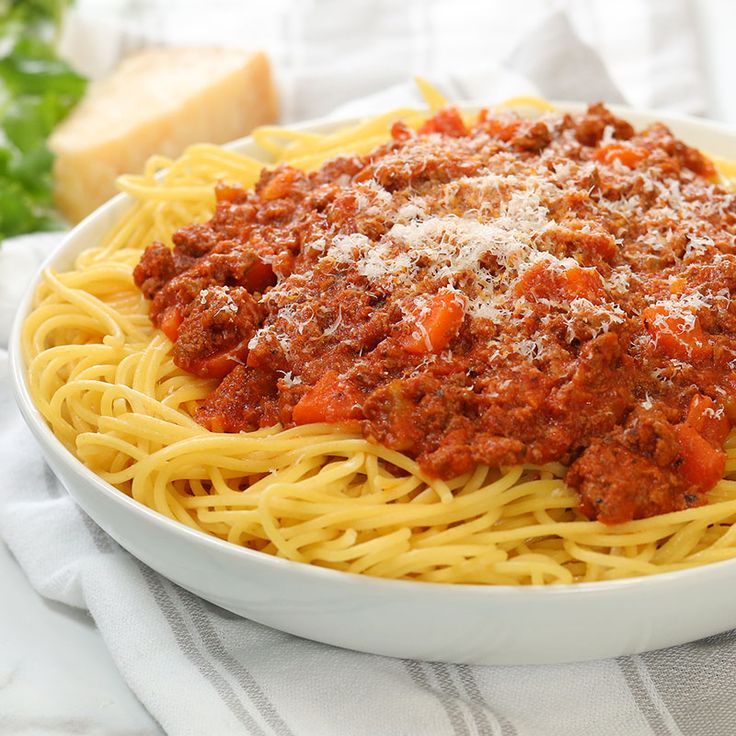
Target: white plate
{"x":453,"y":623}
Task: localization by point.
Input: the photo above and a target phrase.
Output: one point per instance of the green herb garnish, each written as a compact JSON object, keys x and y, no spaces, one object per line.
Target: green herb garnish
{"x":37,"y":91}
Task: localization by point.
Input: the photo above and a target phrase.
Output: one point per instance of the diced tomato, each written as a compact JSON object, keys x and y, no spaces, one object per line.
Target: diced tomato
{"x":708,"y":419}
{"x":583,"y":283}
{"x":219,"y":364}
{"x":401,"y":132}
{"x":702,"y":464}
{"x":332,"y":399}
{"x":230,"y":193}
{"x":542,"y":282}
{"x":628,"y":155}
{"x":677,"y":285}
{"x":436,"y":323}
{"x":678,"y":336}
{"x":498,"y":127}
{"x":170,"y":322}
{"x":279,"y":185}
{"x":259,"y":277}
{"x":708,"y":168}
{"x":447,"y":121}
{"x":283,"y":263}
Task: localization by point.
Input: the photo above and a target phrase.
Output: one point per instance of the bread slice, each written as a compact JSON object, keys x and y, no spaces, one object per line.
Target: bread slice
{"x":158,"y":101}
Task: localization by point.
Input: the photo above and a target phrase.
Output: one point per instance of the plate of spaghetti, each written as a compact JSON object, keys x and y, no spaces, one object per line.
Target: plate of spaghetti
{"x":451,"y":384}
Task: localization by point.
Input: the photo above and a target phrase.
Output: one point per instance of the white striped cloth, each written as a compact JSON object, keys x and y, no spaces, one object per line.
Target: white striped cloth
{"x":199,"y":670}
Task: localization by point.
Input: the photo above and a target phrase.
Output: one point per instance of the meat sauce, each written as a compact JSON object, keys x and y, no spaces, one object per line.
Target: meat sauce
{"x":519,"y":291}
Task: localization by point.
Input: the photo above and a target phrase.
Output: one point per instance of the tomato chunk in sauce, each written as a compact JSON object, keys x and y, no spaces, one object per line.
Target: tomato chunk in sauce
{"x":498,"y":292}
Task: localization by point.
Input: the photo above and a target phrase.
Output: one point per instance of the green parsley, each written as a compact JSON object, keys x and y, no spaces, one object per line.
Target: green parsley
{"x":37,"y":91}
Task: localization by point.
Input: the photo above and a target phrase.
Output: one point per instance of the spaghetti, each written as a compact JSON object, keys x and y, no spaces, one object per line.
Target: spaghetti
{"x":105,"y":381}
